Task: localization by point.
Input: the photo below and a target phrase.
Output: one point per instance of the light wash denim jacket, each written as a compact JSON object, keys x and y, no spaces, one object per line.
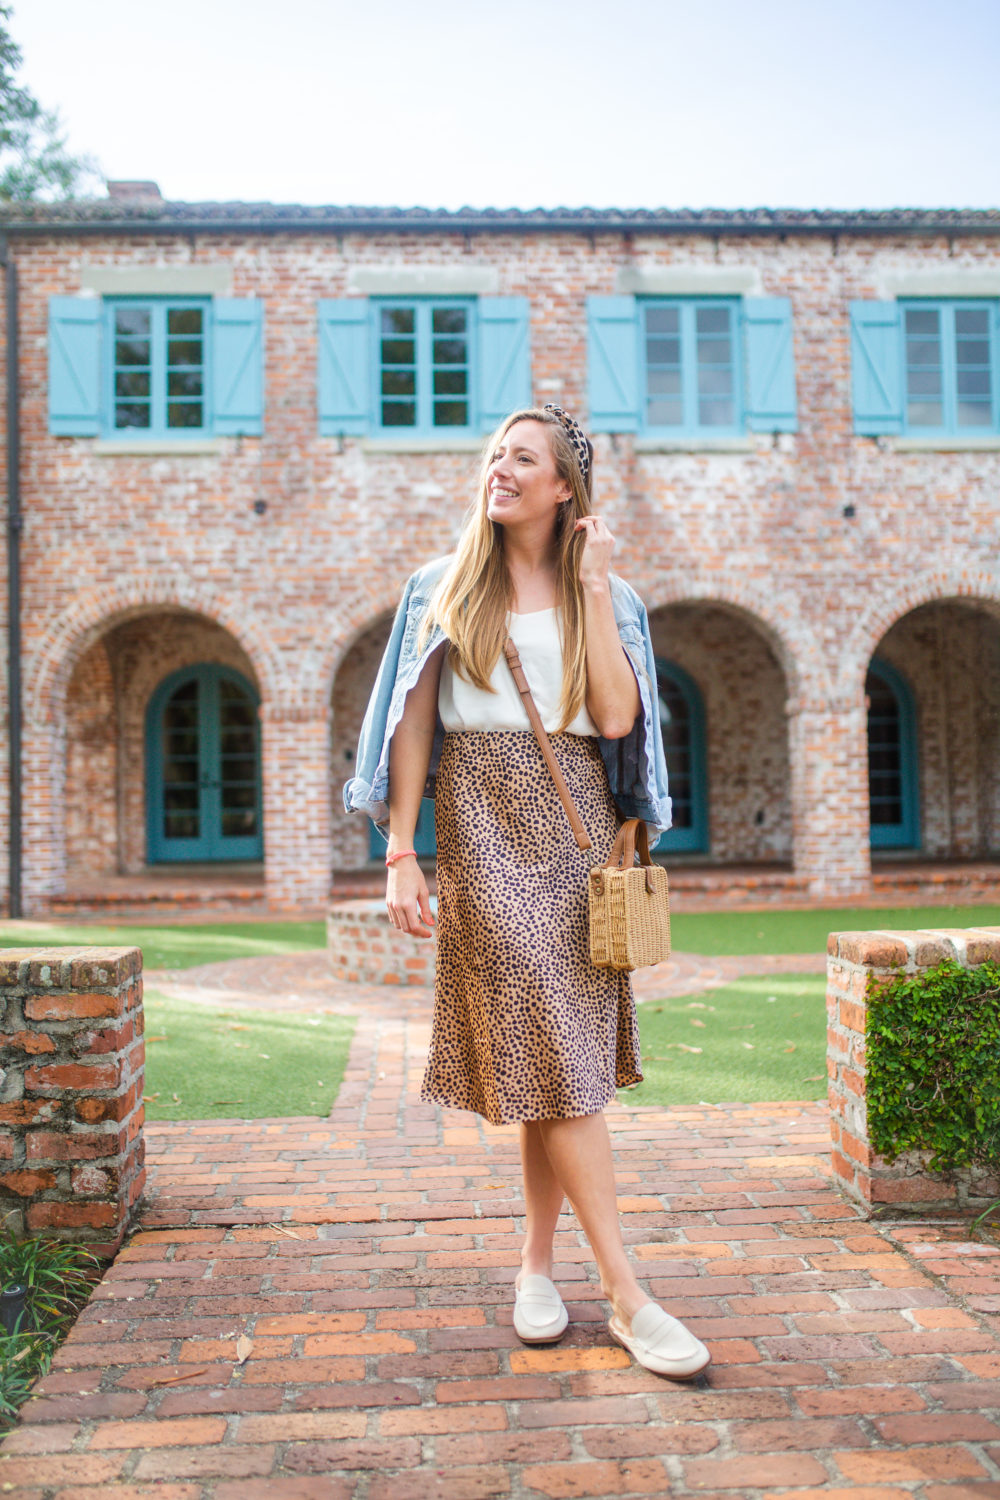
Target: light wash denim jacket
{"x":637,"y":770}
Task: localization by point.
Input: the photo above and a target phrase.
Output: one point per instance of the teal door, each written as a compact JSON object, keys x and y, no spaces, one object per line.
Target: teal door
{"x":203,"y":767}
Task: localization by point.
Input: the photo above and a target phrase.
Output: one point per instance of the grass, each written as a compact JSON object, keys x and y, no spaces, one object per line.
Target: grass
{"x":754,"y":1039}
{"x":719,"y":934}
{"x":206,"y":1062}
{"x":173,"y":947}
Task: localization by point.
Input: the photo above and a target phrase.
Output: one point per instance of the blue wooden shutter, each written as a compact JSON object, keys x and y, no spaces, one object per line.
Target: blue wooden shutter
{"x":237,"y":366}
{"x":75,"y":366}
{"x":344,"y":359}
{"x":613,"y":363}
{"x":503,"y":358}
{"x":876,"y":367}
{"x":770,"y":365}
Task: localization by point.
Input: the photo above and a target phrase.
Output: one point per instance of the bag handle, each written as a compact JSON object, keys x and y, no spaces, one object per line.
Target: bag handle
{"x":545,"y":745}
{"x":622,"y":856}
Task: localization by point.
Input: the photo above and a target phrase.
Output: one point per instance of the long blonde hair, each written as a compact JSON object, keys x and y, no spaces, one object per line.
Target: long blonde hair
{"x":474,"y":597}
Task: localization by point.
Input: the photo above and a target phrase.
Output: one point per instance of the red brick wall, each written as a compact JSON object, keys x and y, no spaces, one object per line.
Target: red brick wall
{"x":71,"y":1146}
{"x":762,"y":531}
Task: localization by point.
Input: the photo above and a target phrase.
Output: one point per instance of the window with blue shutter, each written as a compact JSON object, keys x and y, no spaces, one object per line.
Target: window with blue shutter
{"x":422,"y":366}
{"x":926,"y":368}
{"x":155,"y":367}
{"x":691,"y":367}
{"x":423,"y":362}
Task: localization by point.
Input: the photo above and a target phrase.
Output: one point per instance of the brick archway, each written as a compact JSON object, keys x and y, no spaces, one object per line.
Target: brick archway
{"x":94,"y":614}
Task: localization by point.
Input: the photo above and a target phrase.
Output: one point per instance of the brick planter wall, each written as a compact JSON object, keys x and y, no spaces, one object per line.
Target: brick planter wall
{"x":852,"y":958}
{"x":71,"y":1113}
{"x":365,"y":948}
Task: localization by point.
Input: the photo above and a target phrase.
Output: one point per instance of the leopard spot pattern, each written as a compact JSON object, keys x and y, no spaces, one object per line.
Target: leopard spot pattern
{"x":525,"y":1027}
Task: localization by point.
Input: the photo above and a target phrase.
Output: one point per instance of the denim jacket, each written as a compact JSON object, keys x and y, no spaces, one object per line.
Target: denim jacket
{"x":637,"y":770}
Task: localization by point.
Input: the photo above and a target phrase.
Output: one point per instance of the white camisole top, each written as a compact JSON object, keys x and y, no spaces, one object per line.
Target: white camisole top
{"x":539,"y":645}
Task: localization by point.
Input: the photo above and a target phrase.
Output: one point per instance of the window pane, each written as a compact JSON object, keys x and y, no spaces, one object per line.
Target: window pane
{"x":924,"y":370}
{"x":923,"y":320}
{"x":664,"y":382}
{"x":973,"y":372}
{"x":449,"y":351}
{"x":448,"y":320}
{"x":451,"y":414}
{"x":131,"y":351}
{"x":184,"y":383}
{"x":181,"y":320}
{"x":398,"y":352}
{"x":715,"y":380}
{"x":665,"y":414}
{"x":184,"y":352}
{"x":399,"y":414}
{"x":184,"y":413}
{"x":131,"y":415}
{"x":132,"y":320}
{"x":663,"y":351}
{"x":712,"y":319}
{"x":925,"y":414}
{"x":663,"y":319}
{"x":132,"y":383}
{"x":675,"y":723}
{"x":972,"y":320}
{"x":449,"y":382}
{"x":715,"y":413}
{"x":399,"y":383}
{"x":398,"y":320}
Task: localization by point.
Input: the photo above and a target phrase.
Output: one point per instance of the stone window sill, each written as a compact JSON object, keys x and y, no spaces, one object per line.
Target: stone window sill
{"x":695,"y":445}
{"x":985,"y":443}
{"x":455,"y":444}
{"x":160,"y":447}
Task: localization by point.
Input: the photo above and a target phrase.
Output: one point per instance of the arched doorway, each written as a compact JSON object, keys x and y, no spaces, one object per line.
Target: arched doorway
{"x":203,"y":785}
{"x":892,"y":759}
{"x":682,"y":722}
{"x":933,"y":686}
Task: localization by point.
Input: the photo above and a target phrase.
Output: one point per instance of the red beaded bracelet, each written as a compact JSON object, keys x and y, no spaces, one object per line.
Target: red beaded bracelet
{"x":391,"y":859}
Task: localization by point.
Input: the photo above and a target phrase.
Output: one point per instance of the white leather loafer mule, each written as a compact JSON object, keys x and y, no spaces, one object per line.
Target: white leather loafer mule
{"x":539,"y":1314}
{"x":661,"y":1343}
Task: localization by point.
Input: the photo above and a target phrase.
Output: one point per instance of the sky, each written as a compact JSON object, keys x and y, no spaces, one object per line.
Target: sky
{"x":606,"y":103}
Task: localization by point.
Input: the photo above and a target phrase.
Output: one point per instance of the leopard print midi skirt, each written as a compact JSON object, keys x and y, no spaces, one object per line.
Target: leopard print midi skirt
{"x":525,"y":1027}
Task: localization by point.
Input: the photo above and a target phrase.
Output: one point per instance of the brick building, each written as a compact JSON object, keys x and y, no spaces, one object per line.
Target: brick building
{"x":235,"y":429}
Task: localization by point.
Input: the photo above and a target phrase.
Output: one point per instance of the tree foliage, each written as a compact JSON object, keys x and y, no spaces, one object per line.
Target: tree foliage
{"x":34,"y":161}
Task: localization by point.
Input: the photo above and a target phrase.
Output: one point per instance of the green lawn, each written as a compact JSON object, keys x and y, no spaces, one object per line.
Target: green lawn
{"x":717,"y":934}
{"x":206,"y":1062}
{"x":172,"y":947}
{"x":754,"y":1039}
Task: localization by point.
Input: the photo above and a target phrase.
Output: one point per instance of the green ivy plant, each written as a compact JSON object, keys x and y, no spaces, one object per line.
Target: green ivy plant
{"x":933,"y":1066}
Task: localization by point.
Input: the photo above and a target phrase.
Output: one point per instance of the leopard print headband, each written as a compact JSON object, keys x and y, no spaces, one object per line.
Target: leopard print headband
{"x":575,"y":434}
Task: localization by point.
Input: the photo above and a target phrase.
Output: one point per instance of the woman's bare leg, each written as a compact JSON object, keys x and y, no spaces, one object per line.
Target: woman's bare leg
{"x":579,"y":1156}
{"x":543,"y":1201}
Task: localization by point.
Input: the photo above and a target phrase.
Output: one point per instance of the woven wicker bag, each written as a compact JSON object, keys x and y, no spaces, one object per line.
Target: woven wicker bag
{"x":629,"y":905}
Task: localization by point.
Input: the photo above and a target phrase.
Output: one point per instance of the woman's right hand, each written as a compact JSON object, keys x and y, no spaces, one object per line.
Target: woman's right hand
{"x":408,"y":900}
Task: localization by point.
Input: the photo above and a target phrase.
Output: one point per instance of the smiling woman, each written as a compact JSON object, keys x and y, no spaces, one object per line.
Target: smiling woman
{"x":527,"y":1029}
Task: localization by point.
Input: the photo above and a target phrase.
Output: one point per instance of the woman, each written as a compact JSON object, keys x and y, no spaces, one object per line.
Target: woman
{"x":526,"y":1029}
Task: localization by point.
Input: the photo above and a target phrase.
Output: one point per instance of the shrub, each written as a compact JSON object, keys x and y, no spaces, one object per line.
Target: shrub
{"x":933,"y":1065}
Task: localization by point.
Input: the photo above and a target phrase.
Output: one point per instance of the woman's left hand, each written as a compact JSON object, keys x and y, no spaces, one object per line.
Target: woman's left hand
{"x":598,"y":546}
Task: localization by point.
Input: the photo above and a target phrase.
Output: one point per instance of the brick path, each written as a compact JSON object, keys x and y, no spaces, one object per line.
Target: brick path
{"x":368,"y":1258}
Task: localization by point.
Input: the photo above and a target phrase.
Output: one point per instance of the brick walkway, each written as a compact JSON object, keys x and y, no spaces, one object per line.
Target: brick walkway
{"x":367,"y":1259}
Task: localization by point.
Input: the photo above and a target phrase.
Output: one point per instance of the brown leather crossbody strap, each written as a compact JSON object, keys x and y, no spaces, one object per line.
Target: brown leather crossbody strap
{"x":517,"y":671}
